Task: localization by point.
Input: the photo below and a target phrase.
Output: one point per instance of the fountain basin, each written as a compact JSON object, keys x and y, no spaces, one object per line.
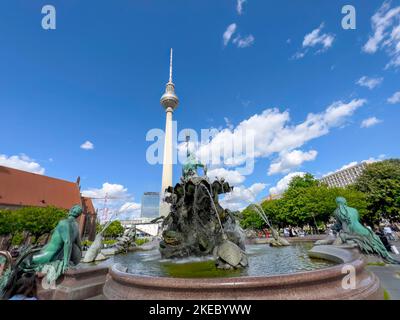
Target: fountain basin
{"x":322,"y":284}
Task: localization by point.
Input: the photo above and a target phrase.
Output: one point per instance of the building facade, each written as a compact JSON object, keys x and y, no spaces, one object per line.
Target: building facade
{"x":25,"y":189}
{"x":344,"y":177}
{"x":150,"y":205}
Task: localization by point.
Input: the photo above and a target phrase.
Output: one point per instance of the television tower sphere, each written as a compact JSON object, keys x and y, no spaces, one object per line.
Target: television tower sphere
{"x":170,"y":100}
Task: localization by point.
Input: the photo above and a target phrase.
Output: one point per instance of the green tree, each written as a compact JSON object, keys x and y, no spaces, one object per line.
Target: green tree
{"x":8,"y":223}
{"x":306,"y":202}
{"x":380,"y":182}
{"x":114,"y":230}
{"x":305,"y":181}
{"x":36,"y":221}
{"x":251,"y":219}
{"x":39,"y":221}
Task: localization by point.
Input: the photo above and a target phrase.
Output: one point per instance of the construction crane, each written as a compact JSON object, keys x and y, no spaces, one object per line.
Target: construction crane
{"x":105,"y":216}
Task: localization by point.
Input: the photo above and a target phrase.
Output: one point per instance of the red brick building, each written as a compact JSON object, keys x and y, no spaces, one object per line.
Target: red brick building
{"x":21,"y":189}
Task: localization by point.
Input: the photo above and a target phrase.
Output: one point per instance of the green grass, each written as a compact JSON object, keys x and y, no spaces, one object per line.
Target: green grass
{"x":378,"y":264}
{"x":141,"y":241}
{"x":386,"y":295}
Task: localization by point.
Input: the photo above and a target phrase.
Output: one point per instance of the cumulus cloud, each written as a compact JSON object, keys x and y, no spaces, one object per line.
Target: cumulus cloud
{"x":283,"y":184}
{"x":232,"y":176}
{"x":21,"y":162}
{"x":290,"y":160}
{"x":130,"y":210}
{"x":239,"y":6}
{"x":353,"y":163}
{"x":369,"y":83}
{"x":110,"y":190}
{"x":241,"y":196}
{"x":386,"y":33}
{"x":87,"y":145}
{"x":271,"y":132}
{"x":230,"y":30}
{"x":315,"y":39}
{"x":117,"y":203}
{"x":372,"y":121}
{"x":244,"y":42}
{"x":395,"y":98}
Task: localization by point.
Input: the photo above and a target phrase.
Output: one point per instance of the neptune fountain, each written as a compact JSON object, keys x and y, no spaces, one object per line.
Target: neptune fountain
{"x":197,"y":224}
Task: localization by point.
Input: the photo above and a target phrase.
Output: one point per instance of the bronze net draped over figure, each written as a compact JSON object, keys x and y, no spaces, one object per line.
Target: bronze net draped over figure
{"x":61,"y":252}
{"x":352,"y":231}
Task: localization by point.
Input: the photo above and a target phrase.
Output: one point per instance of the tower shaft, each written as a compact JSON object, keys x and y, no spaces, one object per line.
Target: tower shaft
{"x":167,"y":161}
{"x":169,"y":101}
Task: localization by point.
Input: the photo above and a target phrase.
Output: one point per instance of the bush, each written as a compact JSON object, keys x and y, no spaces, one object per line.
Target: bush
{"x":109,"y":242}
{"x":114,"y":230}
{"x":86,"y":243}
{"x":17,"y":239}
{"x":141,"y":241}
{"x":36,"y":221}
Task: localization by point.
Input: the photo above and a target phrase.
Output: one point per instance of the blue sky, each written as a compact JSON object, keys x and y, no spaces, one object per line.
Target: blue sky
{"x":99,"y":76}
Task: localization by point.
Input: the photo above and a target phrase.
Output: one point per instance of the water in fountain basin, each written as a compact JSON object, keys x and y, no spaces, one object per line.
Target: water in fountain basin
{"x":263,"y":261}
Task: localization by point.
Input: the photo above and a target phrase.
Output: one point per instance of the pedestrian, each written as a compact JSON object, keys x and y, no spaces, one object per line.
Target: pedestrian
{"x":388,"y":232}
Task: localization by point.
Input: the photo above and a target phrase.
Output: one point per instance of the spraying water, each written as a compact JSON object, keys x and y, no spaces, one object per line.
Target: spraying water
{"x":215,"y":210}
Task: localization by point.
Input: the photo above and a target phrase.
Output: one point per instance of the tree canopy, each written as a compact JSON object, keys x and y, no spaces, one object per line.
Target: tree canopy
{"x":305,"y":202}
{"x":380,"y":182}
{"x":34,"y":220}
{"x":114,"y":230}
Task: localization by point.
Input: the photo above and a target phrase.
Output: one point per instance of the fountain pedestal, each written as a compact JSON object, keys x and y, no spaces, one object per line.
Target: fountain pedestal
{"x":322,"y":284}
{"x":75,"y":284}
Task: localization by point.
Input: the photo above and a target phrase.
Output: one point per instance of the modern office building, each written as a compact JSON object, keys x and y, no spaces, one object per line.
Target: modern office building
{"x":150,"y":205}
{"x":344,"y":177}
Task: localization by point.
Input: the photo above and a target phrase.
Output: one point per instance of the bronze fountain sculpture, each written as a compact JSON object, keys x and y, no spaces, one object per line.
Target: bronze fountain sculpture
{"x":62,"y":252}
{"x":197,"y":225}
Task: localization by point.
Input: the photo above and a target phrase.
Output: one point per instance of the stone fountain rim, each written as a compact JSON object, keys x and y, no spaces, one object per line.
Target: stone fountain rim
{"x":342,"y":256}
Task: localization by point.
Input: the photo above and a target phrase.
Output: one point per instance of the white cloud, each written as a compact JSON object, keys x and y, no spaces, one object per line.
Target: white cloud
{"x":232,"y":176}
{"x":229,"y":33}
{"x":244,"y":42}
{"x":289,"y":160}
{"x":241,"y":196}
{"x":353,"y":163}
{"x":346,"y":166}
{"x":228,"y":123}
{"x":239,"y":6}
{"x":21,"y":162}
{"x":298,"y":55}
{"x":283,"y":184}
{"x":87,"y":145}
{"x":109,"y":189}
{"x":395,"y":98}
{"x":130,"y":210}
{"x":386,"y":33}
{"x":369,"y":83}
{"x":316,"y":39}
{"x":270,"y":132}
{"x":117,"y":196}
{"x":370,"y":122}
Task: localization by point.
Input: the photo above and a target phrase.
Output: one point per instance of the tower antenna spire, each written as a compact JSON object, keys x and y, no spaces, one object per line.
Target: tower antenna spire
{"x":170,"y":66}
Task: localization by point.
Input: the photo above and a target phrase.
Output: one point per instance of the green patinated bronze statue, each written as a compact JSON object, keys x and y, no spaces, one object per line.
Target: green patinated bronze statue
{"x":64,"y":248}
{"x":62,"y":252}
{"x":351,"y":230}
{"x":190,"y":167}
